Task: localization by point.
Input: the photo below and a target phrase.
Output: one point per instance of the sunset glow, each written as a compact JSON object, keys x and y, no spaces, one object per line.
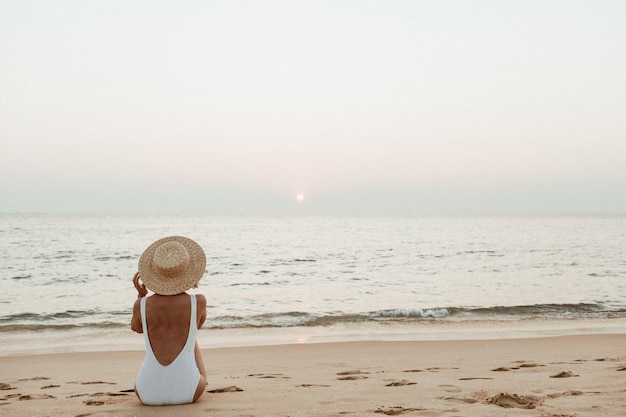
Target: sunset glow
{"x":342,"y":107}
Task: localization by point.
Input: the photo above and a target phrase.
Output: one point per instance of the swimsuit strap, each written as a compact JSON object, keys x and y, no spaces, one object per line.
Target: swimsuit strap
{"x":144,"y":323}
{"x":193,"y":321}
{"x":143,"y":314}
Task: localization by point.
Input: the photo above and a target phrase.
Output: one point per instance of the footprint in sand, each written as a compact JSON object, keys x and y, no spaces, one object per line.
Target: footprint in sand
{"x":269,"y":376}
{"x":574,"y":393}
{"x":37,"y":378}
{"x":507,"y":400}
{"x":352,"y":375}
{"x":401,"y":383}
{"x":232,"y":388}
{"x":5,"y":387}
{"x":529,"y":365}
{"x":96,"y":383}
{"x":35,"y":397}
{"x":564,"y":374}
{"x":352,"y":378}
{"x":565,"y":363}
{"x":110,"y":394}
{"x":395,"y":410}
{"x":76,"y":395}
{"x":463,"y":400}
{"x":312,"y":385}
{"x":353,"y":372}
{"x":103,"y":398}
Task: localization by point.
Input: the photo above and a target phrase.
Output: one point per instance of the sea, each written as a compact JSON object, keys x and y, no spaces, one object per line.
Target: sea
{"x":66,"y":279}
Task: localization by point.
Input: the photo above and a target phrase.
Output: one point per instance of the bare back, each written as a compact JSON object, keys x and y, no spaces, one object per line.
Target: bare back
{"x":167,"y":318}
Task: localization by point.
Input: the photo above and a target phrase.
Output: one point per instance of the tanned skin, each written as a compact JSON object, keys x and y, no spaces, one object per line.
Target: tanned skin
{"x":167,"y":317}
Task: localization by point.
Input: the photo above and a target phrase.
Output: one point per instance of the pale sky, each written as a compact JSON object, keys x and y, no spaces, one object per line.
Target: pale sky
{"x":359,"y":106}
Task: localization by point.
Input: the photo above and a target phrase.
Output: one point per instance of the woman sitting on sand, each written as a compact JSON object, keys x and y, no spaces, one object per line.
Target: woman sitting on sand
{"x":172,"y":371}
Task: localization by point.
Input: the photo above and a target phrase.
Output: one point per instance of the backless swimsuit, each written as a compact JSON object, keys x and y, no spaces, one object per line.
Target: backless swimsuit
{"x":175,"y":383}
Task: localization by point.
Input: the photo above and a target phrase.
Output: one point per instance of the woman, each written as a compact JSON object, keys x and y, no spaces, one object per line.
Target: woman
{"x":172,"y":371}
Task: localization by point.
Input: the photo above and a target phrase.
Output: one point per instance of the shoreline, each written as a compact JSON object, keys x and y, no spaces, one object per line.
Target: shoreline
{"x":580,"y":375}
{"x":95,"y":340}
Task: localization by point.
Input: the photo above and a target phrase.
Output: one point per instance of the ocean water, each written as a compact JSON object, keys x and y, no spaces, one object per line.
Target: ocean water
{"x":68,"y":275}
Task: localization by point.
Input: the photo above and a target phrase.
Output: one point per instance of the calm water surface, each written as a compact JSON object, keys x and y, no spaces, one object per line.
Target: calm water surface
{"x":66,"y":272}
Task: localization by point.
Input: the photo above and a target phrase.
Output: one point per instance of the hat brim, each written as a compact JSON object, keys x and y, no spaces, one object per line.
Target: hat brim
{"x":159,"y":284}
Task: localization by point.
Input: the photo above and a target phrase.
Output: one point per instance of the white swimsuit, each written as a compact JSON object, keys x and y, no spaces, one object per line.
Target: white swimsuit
{"x":175,"y":383}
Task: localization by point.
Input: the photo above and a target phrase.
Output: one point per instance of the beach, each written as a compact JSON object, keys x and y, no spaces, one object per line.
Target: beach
{"x":451,"y":316}
{"x":564,"y":376}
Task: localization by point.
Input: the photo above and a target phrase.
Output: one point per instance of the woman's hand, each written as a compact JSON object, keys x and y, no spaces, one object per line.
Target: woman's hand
{"x":141,"y":289}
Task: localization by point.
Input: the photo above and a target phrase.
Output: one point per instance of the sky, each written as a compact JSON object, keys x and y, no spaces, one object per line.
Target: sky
{"x":291,"y":106}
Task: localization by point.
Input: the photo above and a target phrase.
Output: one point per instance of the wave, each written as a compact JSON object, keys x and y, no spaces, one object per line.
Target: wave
{"x":74,"y":319}
{"x":580,"y":310}
{"x":35,"y":317}
{"x":404,"y":315}
{"x":35,"y":327}
{"x":64,"y":320}
{"x":22,"y":276}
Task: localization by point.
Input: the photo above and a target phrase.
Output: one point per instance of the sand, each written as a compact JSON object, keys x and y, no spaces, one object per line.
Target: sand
{"x":561,"y":376}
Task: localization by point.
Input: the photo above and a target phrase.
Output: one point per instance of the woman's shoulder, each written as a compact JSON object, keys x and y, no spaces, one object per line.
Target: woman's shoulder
{"x":200,"y":299}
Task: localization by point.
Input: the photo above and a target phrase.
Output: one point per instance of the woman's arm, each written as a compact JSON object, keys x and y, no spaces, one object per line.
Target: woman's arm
{"x":135,"y":321}
{"x":201,"y":307}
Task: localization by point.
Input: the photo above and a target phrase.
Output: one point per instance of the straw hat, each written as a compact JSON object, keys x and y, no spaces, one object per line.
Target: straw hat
{"x":172,"y":265}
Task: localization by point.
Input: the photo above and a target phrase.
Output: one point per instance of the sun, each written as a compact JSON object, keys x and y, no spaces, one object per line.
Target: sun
{"x":300,"y":197}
